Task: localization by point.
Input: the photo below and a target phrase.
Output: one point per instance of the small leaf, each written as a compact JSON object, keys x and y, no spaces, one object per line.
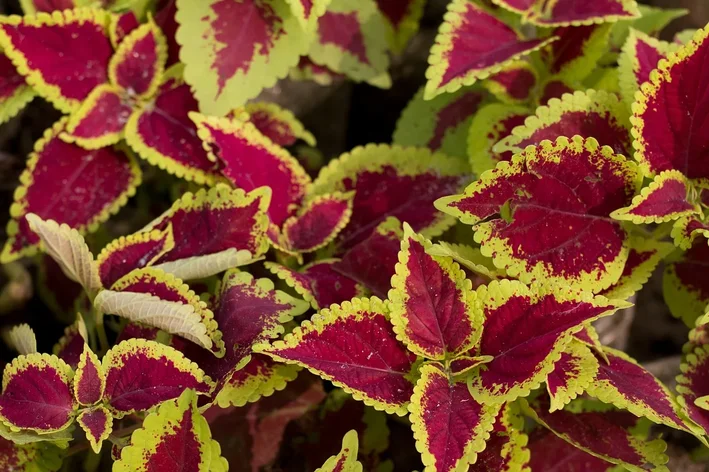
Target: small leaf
{"x":63,"y":55}
{"x":489,"y":126}
{"x":372,"y":262}
{"x":36,"y":394}
{"x":472,"y":44}
{"x":319,"y":282}
{"x":55,"y":183}
{"x":570,"y":12}
{"x":513,"y":84}
{"x":644,"y":257}
{"x":525,"y":331}
{"x":234,"y":235}
{"x":667,"y":198}
{"x":575,"y":241}
{"x":346,"y":460}
{"x":351,"y":40}
{"x":402,"y":21}
{"x":139,"y":61}
{"x":639,"y":57}
{"x":449,"y":426}
{"x":378,"y":366}
{"x":21,"y":338}
{"x":141,"y":374}
{"x":316,"y":224}
{"x":624,"y":383}
{"x":71,"y":344}
{"x":97,"y":423}
{"x":686,"y":229}
{"x":176,"y":437}
{"x":169,"y":288}
{"x":432,"y":302}
{"x":34,"y":457}
{"x":685,"y":290}
{"x":572,"y":374}
{"x":131,"y":252}
{"x":603,"y":432}
{"x":470,"y":258}
{"x":100,"y":119}
{"x":68,"y":248}
{"x":121,"y":25}
{"x":233,"y":50}
{"x":664,"y":138}
{"x":89,"y":380}
{"x":392,"y":181}
{"x":250,"y":160}
{"x":590,"y":114}
{"x":278,"y":124}
{"x":441,"y":124}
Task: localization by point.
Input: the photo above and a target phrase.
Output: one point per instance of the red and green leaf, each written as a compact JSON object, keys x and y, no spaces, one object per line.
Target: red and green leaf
{"x":597,"y":429}
{"x":548,"y":452}
{"x":175,"y":437}
{"x":472,"y":44}
{"x":440,"y":124}
{"x":450,"y":427}
{"x":163,"y":134}
{"x":686,"y":229}
{"x":358,"y":335}
{"x":89,"y":381}
{"x":506,"y":449}
{"x":666,"y":113}
{"x":36,"y":394}
{"x":392,"y":181}
{"x":693,"y":385}
{"x":138,"y":64}
{"x":233,"y":50}
{"x":97,"y":423}
{"x":71,"y":344}
{"x":56,"y":182}
{"x":571,"y":12}
{"x":351,"y":40}
{"x":100,"y":119}
{"x":572,"y":374}
{"x":316,"y":224}
{"x":577,"y":51}
{"x":63,"y":56}
{"x":277,"y":124}
{"x":372,"y":262}
{"x":121,"y":25}
{"x":624,"y":383}
{"x":640,"y":56}
{"x":432,"y":302}
{"x":525,"y":331}
{"x":319,"y":282}
{"x":685,"y":290}
{"x":129,"y":389}
{"x":578,"y":243}
{"x":250,"y":160}
{"x":402,"y":21}
{"x":489,"y":126}
{"x":346,"y":460}
{"x":14,"y":92}
{"x":214,"y":230}
{"x":644,"y":257}
{"x":667,"y":198}
{"x":590,"y":114}
{"x":513,"y":84}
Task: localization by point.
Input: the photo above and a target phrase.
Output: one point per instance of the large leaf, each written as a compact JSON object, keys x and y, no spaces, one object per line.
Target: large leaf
{"x":68,"y":248}
{"x":590,"y":114}
{"x":35,"y":457}
{"x":431,"y":302}
{"x":572,"y":374}
{"x":251,"y":160}
{"x":351,"y":40}
{"x":68,"y":184}
{"x":472,"y":44}
{"x":546,"y":214}
{"x":571,"y":12}
{"x":685,"y":291}
{"x":63,"y":56}
{"x":214,"y":230}
{"x":233,"y":50}
{"x":141,"y":374}
{"x":640,"y":56}
{"x":392,"y":181}
{"x":440,"y":124}
{"x":176,"y":437}
{"x":450,"y":427}
{"x":36,"y":394}
{"x":613,"y":435}
{"x":668,"y":113}
{"x":550,"y":453}
{"x":354,"y":346}
{"x":525,"y":331}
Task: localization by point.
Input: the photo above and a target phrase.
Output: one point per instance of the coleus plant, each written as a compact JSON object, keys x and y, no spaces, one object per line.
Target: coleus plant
{"x":483,"y":342}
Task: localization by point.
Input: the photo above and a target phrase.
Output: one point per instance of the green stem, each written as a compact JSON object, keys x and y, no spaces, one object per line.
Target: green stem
{"x":101,"y":331}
